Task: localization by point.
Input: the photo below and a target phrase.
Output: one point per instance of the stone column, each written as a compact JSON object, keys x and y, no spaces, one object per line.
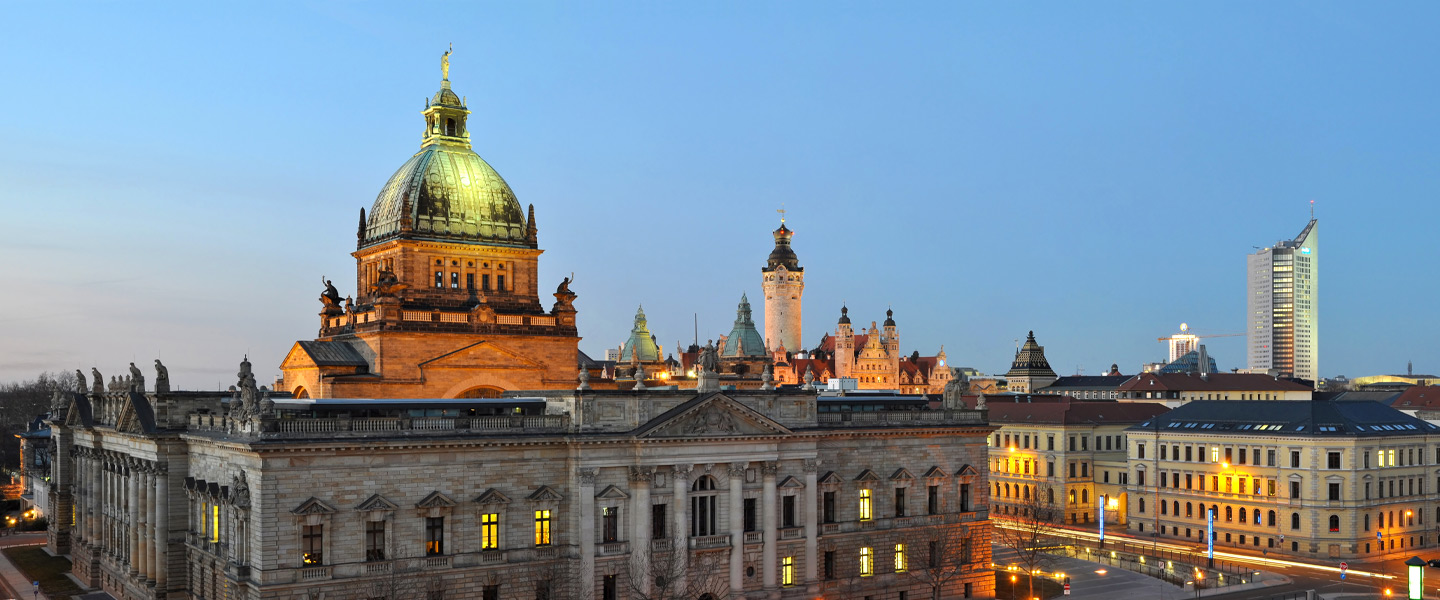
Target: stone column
{"x":142,"y":510}
{"x":767,"y":501}
{"x":640,"y":480}
{"x":812,"y":527}
{"x":586,"y":500}
{"x":79,"y":495}
{"x":162,"y":529}
{"x":737,"y":527}
{"x":95,"y":497}
{"x":681,"y":481}
{"x":132,"y":528}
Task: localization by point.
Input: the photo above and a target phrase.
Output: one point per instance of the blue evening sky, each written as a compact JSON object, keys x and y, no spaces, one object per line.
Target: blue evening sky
{"x":177,"y":177}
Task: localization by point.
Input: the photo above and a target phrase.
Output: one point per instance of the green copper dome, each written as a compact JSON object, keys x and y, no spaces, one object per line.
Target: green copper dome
{"x":744,"y":340}
{"x":446,"y":192}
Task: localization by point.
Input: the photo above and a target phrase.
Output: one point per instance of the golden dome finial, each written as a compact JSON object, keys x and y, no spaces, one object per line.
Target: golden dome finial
{"x":445,"y":63}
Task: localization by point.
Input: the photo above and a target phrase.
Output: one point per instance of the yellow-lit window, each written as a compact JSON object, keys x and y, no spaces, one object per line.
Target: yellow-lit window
{"x":865,"y":513}
{"x":542,"y":528}
{"x":215,"y":523}
{"x":787,"y":571}
{"x":204,"y":519}
{"x":867,"y":562}
{"x":900,"y":561}
{"x":1390,"y":458}
{"x":1215,"y":455}
{"x":490,"y":531}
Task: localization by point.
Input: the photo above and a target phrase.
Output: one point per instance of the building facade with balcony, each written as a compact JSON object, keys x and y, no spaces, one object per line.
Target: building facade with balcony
{"x":1062,"y":455}
{"x":1337,"y":479}
{"x":581,"y":494}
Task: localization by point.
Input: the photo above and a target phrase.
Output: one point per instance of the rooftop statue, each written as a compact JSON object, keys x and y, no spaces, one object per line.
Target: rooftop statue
{"x":97,"y":382}
{"x":445,"y":63}
{"x":80,"y":382}
{"x":709,"y":360}
{"x":137,"y":379}
{"x":162,"y":377}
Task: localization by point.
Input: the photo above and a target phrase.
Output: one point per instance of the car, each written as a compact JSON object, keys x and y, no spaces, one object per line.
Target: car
{"x":1434,"y":562}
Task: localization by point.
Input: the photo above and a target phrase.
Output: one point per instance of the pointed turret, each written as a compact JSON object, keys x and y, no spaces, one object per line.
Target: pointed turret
{"x":641,"y":345}
{"x":1030,"y":371}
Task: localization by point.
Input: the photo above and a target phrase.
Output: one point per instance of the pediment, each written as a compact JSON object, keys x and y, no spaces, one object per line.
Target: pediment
{"x":935,"y":473}
{"x":545,"y":493}
{"x":791,"y":482}
{"x":435,"y":500}
{"x":714,"y":415}
{"x":375,"y":502}
{"x":612,"y":493}
{"x":482,"y":354}
{"x":492,"y":496}
{"x":967,"y":471}
{"x":297,"y":358}
{"x":136,"y":416}
{"x":867,"y":475}
{"x":79,"y":415}
{"x":831,"y":478}
{"x":901,"y":474}
{"x":313,"y":506}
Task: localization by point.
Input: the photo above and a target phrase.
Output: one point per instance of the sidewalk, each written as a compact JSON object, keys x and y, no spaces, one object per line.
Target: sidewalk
{"x":16,"y":584}
{"x":1116,"y":583}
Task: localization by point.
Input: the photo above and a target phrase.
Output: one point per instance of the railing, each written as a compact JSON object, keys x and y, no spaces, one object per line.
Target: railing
{"x":372,"y":568}
{"x":661,"y":545}
{"x":1171,"y":571}
{"x":437,"y":562}
{"x":492,"y":557}
{"x":886,"y":418}
{"x":612,"y":549}
{"x":340,"y":426}
{"x":754,"y":537}
{"x":313,"y":573}
{"x":709,"y":542}
{"x":792,"y":533}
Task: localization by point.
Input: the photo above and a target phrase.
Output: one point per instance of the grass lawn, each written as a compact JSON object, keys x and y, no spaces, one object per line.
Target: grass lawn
{"x":48,"y":570}
{"x":1044,"y":587}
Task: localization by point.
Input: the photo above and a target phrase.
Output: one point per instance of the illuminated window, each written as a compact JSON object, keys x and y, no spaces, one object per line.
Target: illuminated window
{"x":215,"y":523}
{"x":439,"y":279}
{"x":865,"y":513}
{"x":542,"y":528}
{"x":787,"y":571}
{"x":867,"y":562}
{"x":490,"y":531}
{"x":900,"y":562}
{"x":312,"y":544}
{"x":1215,"y":455}
{"x":454,"y":280}
{"x":434,"y":536}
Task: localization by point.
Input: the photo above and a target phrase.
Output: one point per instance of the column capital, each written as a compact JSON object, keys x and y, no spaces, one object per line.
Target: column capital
{"x":737,"y":469}
{"x":587,"y":476}
{"x":642,"y":474}
{"x":682,"y":471}
{"x":769,"y":469}
{"x":811,"y":466}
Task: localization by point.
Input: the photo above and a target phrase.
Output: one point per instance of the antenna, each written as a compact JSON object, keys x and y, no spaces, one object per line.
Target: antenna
{"x":782,"y":212}
{"x":1312,"y":210}
{"x":697,"y":328}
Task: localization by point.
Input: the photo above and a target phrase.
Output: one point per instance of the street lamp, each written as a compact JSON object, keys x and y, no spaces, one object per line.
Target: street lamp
{"x":1012,"y":587}
{"x":1416,"y":570}
{"x":1199,"y":579}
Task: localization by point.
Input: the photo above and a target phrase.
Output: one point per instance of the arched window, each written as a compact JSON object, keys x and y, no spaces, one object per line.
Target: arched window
{"x":1334,"y":523}
{"x":1229,"y":513}
{"x":702,"y":507}
{"x":1142,"y":505}
{"x":1271,"y":518}
{"x":1294,"y":520}
{"x":1257,"y":516}
{"x":1189,"y":509}
{"x":1072,"y":496}
{"x":1051,"y":495}
{"x":449,"y":126}
{"x":1084,"y":496}
{"x":1025,"y":491}
{"x":1242,"y":514}
{"x":1164,"y":508}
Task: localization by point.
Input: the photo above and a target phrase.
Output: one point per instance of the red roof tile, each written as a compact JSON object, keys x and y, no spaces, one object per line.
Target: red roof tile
{"x":1418,"y":397}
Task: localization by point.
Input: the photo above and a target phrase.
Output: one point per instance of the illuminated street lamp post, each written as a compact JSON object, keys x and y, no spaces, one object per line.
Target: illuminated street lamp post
{"x":1199,"y":579}
{"x":1415,"y":568}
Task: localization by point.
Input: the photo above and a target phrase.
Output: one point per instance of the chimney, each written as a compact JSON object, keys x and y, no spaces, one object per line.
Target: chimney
{"x":1204,"y":359}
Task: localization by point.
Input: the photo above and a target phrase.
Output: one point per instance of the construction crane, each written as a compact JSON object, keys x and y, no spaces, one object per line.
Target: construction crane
{"x":1184,"y":342}
{"x":1184,"y":328}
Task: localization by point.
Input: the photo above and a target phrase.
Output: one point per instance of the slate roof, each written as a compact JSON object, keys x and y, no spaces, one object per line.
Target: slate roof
{"x":333,"y":354}
{"x":1215,"y":382}
{"x":1088,"y":382}
{"x":1074,"y":412}
{"x":1288,"y":419}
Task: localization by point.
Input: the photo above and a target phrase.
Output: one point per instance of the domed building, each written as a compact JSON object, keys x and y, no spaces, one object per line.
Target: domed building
{"x":447,"y":300}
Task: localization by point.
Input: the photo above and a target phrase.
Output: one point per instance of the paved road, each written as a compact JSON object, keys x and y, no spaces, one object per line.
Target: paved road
{"x":11,"y":578}
{"x":1088,"y":583}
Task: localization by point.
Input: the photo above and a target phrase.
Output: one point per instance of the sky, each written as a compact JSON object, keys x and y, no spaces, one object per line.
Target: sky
{"x":176,"y":178}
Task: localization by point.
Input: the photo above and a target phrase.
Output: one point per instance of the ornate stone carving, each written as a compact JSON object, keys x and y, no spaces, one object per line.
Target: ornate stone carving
{"x":737,"y":469}
{"x":137,"y":379}
{"x":584,"y":379}
{"x":239,"y":491}
{"x":587,"y":476}
{"x":162,"y":377}
{"x":80,"y":381}
{"x":710,"y":421}
{"x":810,"y":466}
{"x":767,"y":377}
{"x":980,"y":401}
{"x":97,"y":382}
{"x":709,"y":359}
{"x":642,"y":474}
{"x":243,"y":401}
{"x":809,"y":379}
{"x":769,"y":469}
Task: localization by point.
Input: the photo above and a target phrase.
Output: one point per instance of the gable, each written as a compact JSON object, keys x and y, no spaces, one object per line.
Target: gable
{"x":297,"y":358}
{"x":934,"y":473}
{"x":313,"y":506}
{"x":492,"y":496}
{"x":867,"y":475}
{"x":79,"y":414}
{"x":435,"y":500}
{"x":831,"y":478}
{"x":612,"y":493}
{"x":967,"y":471}
{"x":902,"y":474}
{"x":713,"y":415}
{"x":545,"y":493}
{"x":375,"y":502}
{"x":791,"y":482}
{"x":484,"y":354}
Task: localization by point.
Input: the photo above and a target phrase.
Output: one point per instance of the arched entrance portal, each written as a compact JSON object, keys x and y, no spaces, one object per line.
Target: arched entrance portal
{"x":483,"y":391}
{"x":300,"y":393}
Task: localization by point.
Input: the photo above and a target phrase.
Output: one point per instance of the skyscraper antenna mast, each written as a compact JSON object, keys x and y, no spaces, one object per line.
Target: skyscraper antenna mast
{"x":1312,"y":210}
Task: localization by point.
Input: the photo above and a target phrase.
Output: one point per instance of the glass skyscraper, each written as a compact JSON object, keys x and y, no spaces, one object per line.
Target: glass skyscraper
{"x":1283,"y":326}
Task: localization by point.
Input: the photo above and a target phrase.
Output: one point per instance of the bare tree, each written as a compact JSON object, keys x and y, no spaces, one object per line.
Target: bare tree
{"x":20,"y":403}
{"x":560,"y":580}
{"x":1024,"y":530}
{"x":403,"y":579}
{"x":677,"y":575}
{"x":946,"y":551}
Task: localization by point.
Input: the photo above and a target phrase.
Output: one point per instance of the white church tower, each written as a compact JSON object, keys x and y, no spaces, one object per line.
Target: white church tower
{"x":784,"y":287}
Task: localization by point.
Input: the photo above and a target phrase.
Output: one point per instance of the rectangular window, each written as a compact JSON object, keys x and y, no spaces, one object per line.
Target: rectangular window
{"x":1242,"y":456}
{"x":899,"y":502}
{"x":828,"y":507}
{"x":867,"y":561}
{"x":1072,"y":446}
{"x":1230,"y":455}
{"x":964,"y":497}
{"x":657,"y":521}
{"x":1332,"y":460}
{"x":1163,"y":478}
{"x":469,"y":281}
{"x":434,"y":536}
{"x":751,"y":519}
{"x":900,"y":560}
{"x":1189,"y":454}
{"x":787,"y":571}
{"x":865,"y":514}
{"x":1295,"y":489}
{"x":1139,"y":450}
{"x":490,"y":531}
{"x":610,"y":589}
{"x":485,"y":282}
{"x":787,"y":511}
{"x":215,"y":523}
{"x":454,"y":281}
{"x":1294,"y":459}
{"x":1215,"y":454}
{"x":1270,"y":487}
{"x":499,"y":283}
{"x":1072,"y":470}
{"x":1050,"y":469}
{"x":932,"y":499}
{"x":610,"y":524}
{"x":312,"y":545}
{"x":542,"y":528}
{"x":1164,"y":451}
{"x":374,"y":540}
{"x":829,"y":564}
{"x":439,"y":279}
{"x":1085,"y":443}
{"x":490,"y":592}
{"x":1269,"y":458}
{"x":1050,"y":444}
{"x":1084,"y":469}
{"x":1334,"y":491}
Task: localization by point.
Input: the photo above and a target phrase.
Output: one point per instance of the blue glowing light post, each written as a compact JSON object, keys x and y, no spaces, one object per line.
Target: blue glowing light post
{"x":1210,"y":536}
{"x":1102,"y":521}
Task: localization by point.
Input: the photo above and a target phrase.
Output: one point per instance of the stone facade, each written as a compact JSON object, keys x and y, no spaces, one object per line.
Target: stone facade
{"x":175,"y":499}
{"x":783,"y":282}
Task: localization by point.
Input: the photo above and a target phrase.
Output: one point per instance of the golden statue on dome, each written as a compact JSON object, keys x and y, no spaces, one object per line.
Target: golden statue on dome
{"x":445,"y":63}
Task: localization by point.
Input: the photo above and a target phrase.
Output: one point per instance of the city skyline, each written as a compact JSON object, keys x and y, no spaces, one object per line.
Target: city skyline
{"x":186,"y":198}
